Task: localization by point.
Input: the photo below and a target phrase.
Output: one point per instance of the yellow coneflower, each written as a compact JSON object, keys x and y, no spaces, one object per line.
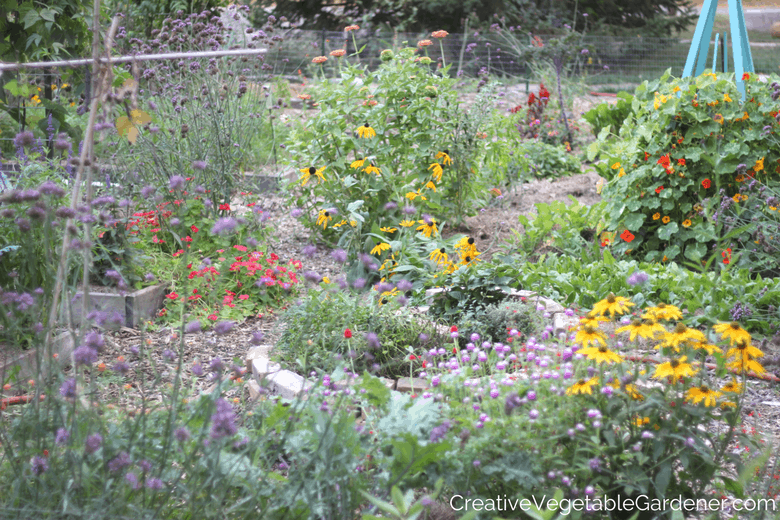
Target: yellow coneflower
{"x":466,"y":246}
{"x":406,"y":223}
{"x":732,"y":332}
{"x":682,"y":334}
{"x":323,"y":218}
{"x":733,"y":386}
{"x":357,"y":164}
{"x":311,"y":171}
{"x":663,"y":311}
{"x":601,"y":354}
{"x":613,"y":305}
{"x":583,"y":387}
{"x":431,"y":186}
{"x":709,"y":347}
{"x":366,"y":131}
{"x":647,"y":329}
{"x":437,"y":171}
{"x":675,"y":367}
{"x":704,"y":393}
{"x":343,"y":222}
{"x":467,"y":259}
{"x":633,"y":393}
{"x":592,"y":319}
{"x":445,"y":157}
{"x":587,"y":335}
{"x":641,"y":421}
{"x":414,"y":194}
{"x":389,"y":229}
{"x":743,"y":350}
{"x":385,"y":297}
{"x":381,"y":246}
{"x":428,"y":227}
{"x":746,"y":364}
{"x":439,"y":256}
{"x":372,"y":169}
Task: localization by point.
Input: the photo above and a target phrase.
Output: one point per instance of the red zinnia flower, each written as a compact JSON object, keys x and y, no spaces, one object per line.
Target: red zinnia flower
{"x":225,"y":207}
{"x":412,"y":357}
{"x":627,"y":236}
{"x":194,"y":228}
{"x":454,"y":328}
{"x":347,"y":333}
{"x":172,"y":296}
{"x":706,"y":184}
{"x":659,"y":189}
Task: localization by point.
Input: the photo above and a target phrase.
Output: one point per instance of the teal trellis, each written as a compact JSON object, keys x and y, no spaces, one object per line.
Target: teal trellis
{"x":697,"y":55}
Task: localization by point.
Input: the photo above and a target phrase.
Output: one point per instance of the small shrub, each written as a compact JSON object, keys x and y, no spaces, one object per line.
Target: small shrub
{"x":610,"y":116}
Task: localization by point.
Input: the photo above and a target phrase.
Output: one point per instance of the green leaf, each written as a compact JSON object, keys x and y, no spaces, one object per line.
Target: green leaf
{"x":695,"y":251}
{"x":662,"y":478}
{"x":30,"y":19}
{"x":635,"y":221}
{"x":665,"y":232}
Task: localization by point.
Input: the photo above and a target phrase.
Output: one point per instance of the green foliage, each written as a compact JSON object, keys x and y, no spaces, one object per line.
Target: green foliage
{"x":688,"y":140}
{"x":330,"y":312}
{"x":494,"y":322}
{"x":143,"y":17}
{"x":559,"y":228}
{"x":548,"y":161}
{"x":472,"y":289}
{"x":34,"y":31}
{"x":199,"y":120}
{"x":608,"y":115}
{"x":426,"y":154}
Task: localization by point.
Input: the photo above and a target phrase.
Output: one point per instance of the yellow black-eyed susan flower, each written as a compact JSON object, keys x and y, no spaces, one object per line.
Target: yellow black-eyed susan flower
{"x":389,"y":229}
{"x":445,"y":157}
{"x":744,"y":350}
{"x":682,"y":334}
{"x":704,"y":393}
{"x":647,"y":329}
{"x":466,"y":246}
{"x":633,"y":392}
{"x":613,"y":305}
{"x":439,"y":256}
{"x":675,"y":367}
{"x":592,"y":319}
{"x":366,"y":131}
{"x":746,"y":364}
{"x":588,"y":334}
{"x":437,"y":171}
{"x":386,"y":296}
{"x":431,"y":186}
{"x":406,"y":223}
{"x":601,"y":354}
{"x":414,"y":194}
{"x":583,"y":387}
{"x":372,"y":169}
{"x":733,"y":386}
{"x":311,"y":171}
{"x":663,"y":311}
{"x":357,"y":164}
{"x":468,"y":259}
{"x":381,"y":246}
{"x":708,"y":347}
{"x":428,"y":227}
{"x":324,"y":218}
{"x":732,"y":332}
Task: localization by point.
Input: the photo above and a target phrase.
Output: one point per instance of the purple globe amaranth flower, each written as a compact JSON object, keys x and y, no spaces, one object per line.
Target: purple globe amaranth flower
{"x":68,"y":388}
{"x":24,"y":139}
{"x":223,"y":422}
{"x":132,"y":479}
{"x":169,"y":355}
{"x":121,"y":367}
{"x":439,"y":432}
{"x":372,"y":340}
{"x":181,"y":434}
{"x":119,"y":462}
{"x":223,"y":327}
{"x":224,"y":225}
{"x":199,"y":165}
{"x":404,"y":285}
{"x":93,"y":443}
{"x":257,"y":338}
{"x":533,"y":414}
{"x":216,"y":365}
{"x":309,"y":250}
{"x":84,"y":355}
{"x":339,"y":255}
{"x":154,"y":483}
{"x":637,"y":278}
{"x":62,"y":436}
{"x":94,"y":340}
{"x":197,"y":369}
{"x":192,"y":327}
{"x":39,"y":465}
{"x":296,"y":212}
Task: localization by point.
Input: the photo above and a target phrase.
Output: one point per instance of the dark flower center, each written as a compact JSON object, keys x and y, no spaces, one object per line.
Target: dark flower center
{"x":470,"y":241}
{"x":680,"y":328}
{"x":366,"y":125}
{"x":662,"y":305}
{"x":636,"y":323}
{"x":674,"y":363}
{"x":611,"y":298}
{"x":581,"y":382}
{"x":467,"y":259}
{"x":442,"y":250}
{"x":327,"y":213}
{"x":705,"y":389}
{"x":430,"y":223}
{"x":603,"y":349}
{"x":734,"y":325}
{"x":312,"y":170}
{"x":447,"y":151}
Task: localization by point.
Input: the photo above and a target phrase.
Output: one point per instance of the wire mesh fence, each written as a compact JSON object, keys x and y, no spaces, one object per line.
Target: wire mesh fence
{"x":610,"y":64}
